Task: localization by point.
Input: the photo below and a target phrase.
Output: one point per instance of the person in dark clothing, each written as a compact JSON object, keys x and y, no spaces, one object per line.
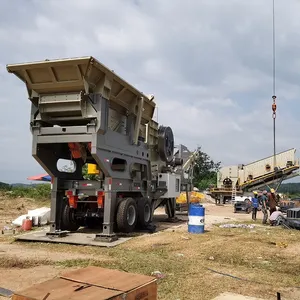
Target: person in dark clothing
{"x":264,"y":209}
{"x":254,"y":201}
{"x":272,"y":201}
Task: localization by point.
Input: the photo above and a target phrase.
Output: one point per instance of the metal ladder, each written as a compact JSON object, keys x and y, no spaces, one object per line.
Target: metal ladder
{"x":233,"y":195}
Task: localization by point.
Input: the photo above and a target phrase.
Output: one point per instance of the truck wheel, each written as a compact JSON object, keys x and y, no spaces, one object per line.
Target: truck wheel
{"x":68,"y":220}
{"x":127,"y":215}
{"x":144,"y":212}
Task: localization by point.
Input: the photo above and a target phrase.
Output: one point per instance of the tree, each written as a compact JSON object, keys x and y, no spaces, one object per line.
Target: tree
{"x":205,"y":171}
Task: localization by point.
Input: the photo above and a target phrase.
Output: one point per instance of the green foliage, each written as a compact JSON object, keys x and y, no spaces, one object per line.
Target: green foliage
{"x":290,"y":188}
{"x":205,"y":171}
{"x":37,"y":191}
{"x":205,"y":183}
{"x":88,"y":176}
{"x":291,"y":195}
{"x":4,"y":186}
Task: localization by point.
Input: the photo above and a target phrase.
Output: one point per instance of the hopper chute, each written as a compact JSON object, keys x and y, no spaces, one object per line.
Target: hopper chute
{"x":60,"y":83}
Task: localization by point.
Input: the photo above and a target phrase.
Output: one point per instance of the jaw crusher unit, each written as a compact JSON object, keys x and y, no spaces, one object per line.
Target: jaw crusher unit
{"x":84,"y":113}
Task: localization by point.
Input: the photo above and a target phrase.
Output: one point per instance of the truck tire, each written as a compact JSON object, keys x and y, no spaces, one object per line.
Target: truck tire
{"x":144,"y":212}
{"x":68,"y":221}
{"x":127,"y":215}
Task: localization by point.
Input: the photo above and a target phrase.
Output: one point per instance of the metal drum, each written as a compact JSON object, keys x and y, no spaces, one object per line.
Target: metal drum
{"x":196,"y":218}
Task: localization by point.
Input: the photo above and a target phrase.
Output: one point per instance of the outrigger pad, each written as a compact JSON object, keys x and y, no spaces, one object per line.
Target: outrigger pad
{"x":58,"y":233}
{"x":106,"y":238}
{"x":174,"y":220}
{"x":74,"y":238}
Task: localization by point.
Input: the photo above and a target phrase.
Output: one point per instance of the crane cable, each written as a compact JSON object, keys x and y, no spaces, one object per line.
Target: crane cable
{"x":274,"y":106}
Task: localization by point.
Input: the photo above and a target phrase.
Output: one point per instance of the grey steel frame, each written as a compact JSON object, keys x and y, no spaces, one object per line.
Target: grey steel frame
{"x":104,"y":149}
{"x":91,"y":125}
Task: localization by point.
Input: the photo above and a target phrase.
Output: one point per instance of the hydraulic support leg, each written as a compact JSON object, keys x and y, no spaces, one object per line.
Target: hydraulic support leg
{"x":108,"y":234}
{"x":56,"y":210}
{"x":171,"y":209}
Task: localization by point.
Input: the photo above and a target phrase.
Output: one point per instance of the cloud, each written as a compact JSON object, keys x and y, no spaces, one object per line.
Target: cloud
{"x":208,"y":63}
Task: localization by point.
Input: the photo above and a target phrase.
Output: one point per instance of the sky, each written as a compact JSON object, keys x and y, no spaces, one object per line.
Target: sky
{"x":208,"y":63}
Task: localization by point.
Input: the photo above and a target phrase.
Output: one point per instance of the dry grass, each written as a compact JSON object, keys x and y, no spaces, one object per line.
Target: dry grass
{"x":13,"y":208}
{"x":8,"y":262}
{"x":10,"y":209}
{"x":253,"y":255}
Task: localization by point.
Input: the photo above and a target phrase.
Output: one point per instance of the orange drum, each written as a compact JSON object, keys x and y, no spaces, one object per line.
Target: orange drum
{"x":27,"y":224}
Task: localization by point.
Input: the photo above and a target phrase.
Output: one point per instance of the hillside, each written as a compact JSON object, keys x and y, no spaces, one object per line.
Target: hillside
{"x":4,"y":186}
{"x":287,"y":188}
{"x":290,"y":188}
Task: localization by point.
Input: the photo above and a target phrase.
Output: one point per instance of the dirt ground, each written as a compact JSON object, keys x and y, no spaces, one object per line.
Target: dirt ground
{"x":264,"y":259}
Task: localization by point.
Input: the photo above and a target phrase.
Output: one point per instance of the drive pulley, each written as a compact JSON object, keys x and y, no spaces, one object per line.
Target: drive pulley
{"x":165,"y":143}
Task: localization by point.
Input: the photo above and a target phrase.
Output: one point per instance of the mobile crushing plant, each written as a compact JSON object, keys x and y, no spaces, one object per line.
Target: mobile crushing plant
{"x":83,"y":112}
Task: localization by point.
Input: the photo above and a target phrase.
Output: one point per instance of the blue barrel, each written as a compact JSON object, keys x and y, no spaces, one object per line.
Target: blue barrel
{"x":196,"y":218}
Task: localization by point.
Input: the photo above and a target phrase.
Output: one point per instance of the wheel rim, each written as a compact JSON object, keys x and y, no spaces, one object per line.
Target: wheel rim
{"x":147,"y":212}
{"x":131,"y":215}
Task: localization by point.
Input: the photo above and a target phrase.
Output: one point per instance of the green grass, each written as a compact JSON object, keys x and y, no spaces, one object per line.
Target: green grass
{"x":141,"y":262}
{"x":249,"y":254}
{"x":80,"y":263}
{"x":255,"y":255}
{"x":39,"y":191}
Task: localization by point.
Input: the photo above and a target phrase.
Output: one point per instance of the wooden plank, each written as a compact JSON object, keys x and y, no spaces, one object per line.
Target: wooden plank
{"x":93,"y":283}
{"x":108,"y":278}
{"x":145,"y":292}
{"x":60,"y":289}
{"x":19,"y":297}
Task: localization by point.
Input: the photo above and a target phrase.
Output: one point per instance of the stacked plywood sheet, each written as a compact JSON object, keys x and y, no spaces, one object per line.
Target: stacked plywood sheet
{"x":93,"y":283}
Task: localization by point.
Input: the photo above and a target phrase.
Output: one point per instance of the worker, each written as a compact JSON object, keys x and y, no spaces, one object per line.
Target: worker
{"x":276,"y":218}
{"x":272,"y":201}
{"x":255,"y":204}
{"x":278,"y":199}
{"x":264,"y":209}
{"x":259,"y":194}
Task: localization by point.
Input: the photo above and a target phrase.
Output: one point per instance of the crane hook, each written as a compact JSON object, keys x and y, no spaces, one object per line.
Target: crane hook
{"x":274,"y":106}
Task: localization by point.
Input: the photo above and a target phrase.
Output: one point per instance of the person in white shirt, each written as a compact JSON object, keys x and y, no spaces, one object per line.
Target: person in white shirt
{"x":276,"y":217}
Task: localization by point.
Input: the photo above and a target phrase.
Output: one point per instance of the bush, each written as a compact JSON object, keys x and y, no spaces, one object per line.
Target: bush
{"x":38,"y":191}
